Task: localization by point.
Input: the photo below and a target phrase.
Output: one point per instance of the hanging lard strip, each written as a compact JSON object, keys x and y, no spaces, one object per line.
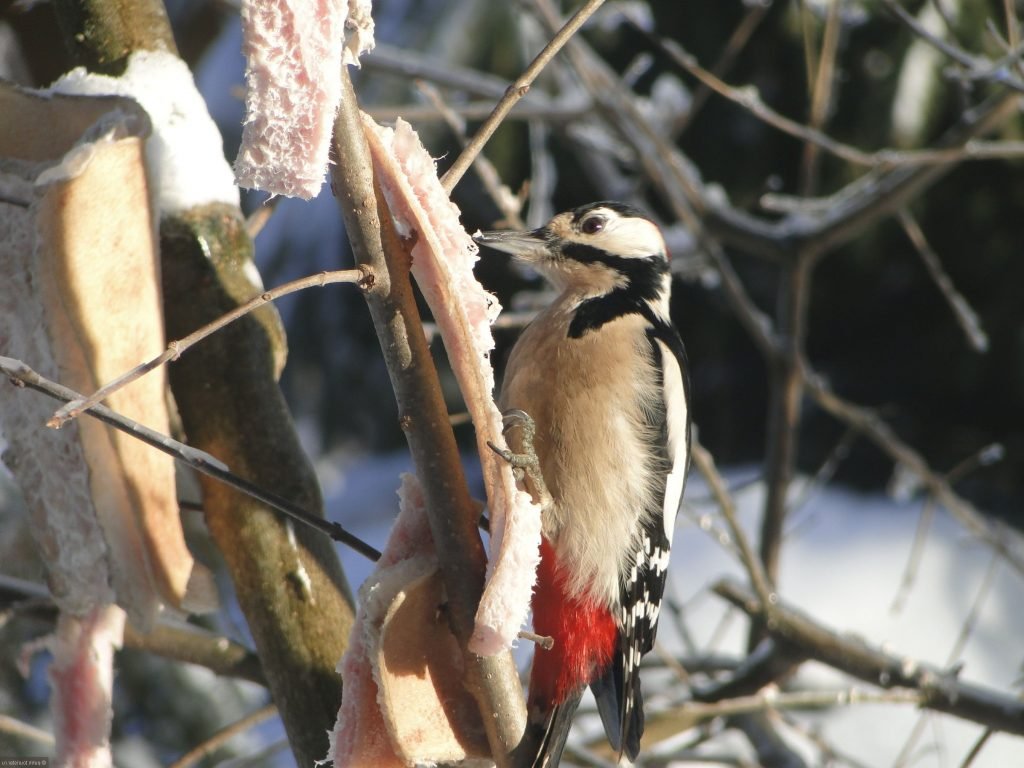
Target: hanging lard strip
{"x":442,"y":263}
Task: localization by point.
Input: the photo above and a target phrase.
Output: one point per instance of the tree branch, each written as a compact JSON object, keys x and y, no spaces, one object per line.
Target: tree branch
{"x":199,"y":460}
{"x":939,"y":690}
{"x":515,"y":92}
{"x":493,"y":681}
{"x":175,"y":349}
{"x":1001,"y":539}
{"x":785,"y":393}
{"x":289,"y":584}
{"x":224,"y":735}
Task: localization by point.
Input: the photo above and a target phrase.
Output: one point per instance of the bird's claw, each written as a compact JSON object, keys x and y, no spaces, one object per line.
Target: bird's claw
{"x":518,"y":417}
{"x":525,"y":463}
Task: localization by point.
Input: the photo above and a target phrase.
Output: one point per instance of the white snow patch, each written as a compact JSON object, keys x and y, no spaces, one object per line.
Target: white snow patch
{"x":185,"y":154}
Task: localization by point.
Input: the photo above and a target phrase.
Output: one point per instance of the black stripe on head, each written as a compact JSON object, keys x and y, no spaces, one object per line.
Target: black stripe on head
{"x":624,"y":210}
{"x":643,"y":284}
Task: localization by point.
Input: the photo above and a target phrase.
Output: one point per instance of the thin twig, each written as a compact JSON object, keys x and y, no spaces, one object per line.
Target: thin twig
{"x":758,"y":324}
{"x":821,"y":478}
{"x":755,"y":569}
{"x":554,"y":112}
{"x":223,"y":736}
{"x":408,"y":64}
{"x":199,"y":460}
{"x":515,"y":92}
{"x":939,"y":690}
{"x":692,"y":713}
{"x":1012,"y":28}
{"x":999,"y":537}
{"x":969,"y":61}
{"x":976,"y":749}
{"x":509,"y":205}
{"x":821,"y":97}
{"x":970,"y":620}
{"x":740,"y":36}
{"x":258,"y":219}
{"x":965,"y":315}
{"x":362,"y":276}
{"x":748,"y":98}
{"x":987,"y":455}
{"x":924,"y":523}
{"x":18,"y":728}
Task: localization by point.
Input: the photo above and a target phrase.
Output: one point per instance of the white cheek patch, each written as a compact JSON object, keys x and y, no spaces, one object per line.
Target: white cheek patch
{"x":632,"y":238}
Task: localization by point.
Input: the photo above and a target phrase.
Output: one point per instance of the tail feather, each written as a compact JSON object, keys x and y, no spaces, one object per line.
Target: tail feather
{"x":621,"y":707}
{"x":555,"y":731}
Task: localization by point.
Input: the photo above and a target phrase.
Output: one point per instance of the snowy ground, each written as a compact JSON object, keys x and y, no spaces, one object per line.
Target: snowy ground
{"x":843,"y":563}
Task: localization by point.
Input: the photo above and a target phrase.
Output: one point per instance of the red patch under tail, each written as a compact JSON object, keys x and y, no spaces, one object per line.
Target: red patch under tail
{"x":584,"y":632}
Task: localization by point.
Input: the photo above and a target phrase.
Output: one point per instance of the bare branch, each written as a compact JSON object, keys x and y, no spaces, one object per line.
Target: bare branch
{"x":515,"y":92}
{"x":191,"y":645}
{"x":924,"y":523}
{"x":169,"y":638}
{"x":821,"y":97}
{"x":755,"y":569}
{"x":786,"y":392}
{"x":493,"y":681}
{"x":478,"y":110}
{"x":224,"y":735}
{"x":412,"y":65}
{"x":14,"y":727}
{"x":74,"y":409}
{"x":509,"y":205}
{"x":22,"y":375}
{"x":752,"y":19}
{"x":980,"y":66}
{"x":938,"y":690}
{"x":1002,"y":539}
{"x":966,"y":317}
{"x":749,"y":99}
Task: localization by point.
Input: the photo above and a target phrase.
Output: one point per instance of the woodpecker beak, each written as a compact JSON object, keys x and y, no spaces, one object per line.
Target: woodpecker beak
{"x":530,"y":246}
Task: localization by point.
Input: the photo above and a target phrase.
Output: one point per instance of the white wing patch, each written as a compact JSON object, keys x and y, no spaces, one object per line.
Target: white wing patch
{"x":676,"y":412}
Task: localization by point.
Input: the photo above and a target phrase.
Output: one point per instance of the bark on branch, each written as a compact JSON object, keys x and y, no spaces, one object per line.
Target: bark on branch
{"x":940,"y":690}
{"x":424,"y":418}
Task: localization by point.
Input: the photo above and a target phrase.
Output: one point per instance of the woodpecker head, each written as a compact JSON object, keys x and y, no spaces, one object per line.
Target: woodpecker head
{"x":594,"y":250}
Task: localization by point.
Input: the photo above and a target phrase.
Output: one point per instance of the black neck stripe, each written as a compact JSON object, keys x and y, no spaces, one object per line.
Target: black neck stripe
{"x":643,"y":284}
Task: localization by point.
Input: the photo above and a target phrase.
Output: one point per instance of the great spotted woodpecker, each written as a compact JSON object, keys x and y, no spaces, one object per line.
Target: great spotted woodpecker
{"x":603,"y":374}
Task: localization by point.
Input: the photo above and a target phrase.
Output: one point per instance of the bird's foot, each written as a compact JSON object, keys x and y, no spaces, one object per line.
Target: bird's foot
{"x":524,"y":463}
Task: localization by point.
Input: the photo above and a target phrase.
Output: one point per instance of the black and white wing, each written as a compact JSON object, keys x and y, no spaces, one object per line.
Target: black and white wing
{"x":617,"y":692}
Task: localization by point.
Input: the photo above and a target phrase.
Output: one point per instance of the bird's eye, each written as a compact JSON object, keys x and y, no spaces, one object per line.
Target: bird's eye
{"x":593,"y":225}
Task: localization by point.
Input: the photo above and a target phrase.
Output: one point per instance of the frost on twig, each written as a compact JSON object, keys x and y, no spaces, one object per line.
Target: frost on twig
{"x":443,"y":259}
